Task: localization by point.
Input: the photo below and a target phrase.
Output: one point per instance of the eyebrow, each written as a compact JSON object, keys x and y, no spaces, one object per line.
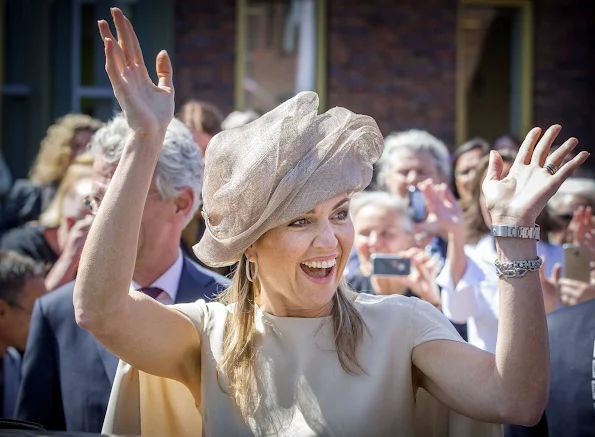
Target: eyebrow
{"x":341,"y":203}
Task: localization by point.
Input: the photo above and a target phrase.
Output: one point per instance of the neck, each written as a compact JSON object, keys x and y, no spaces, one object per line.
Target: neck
{"x":279,"y":306}
{"x":151,"y":266}
{"x":51,"y":237}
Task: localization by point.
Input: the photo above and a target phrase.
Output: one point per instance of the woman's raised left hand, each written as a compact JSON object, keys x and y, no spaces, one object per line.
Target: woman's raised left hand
{"x":518,"y":198}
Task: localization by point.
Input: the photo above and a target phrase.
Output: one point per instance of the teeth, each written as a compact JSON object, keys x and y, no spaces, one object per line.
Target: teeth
{"x":320,"y":264}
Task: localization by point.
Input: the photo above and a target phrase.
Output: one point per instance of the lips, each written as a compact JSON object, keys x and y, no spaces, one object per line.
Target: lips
{"x":319,"y":272}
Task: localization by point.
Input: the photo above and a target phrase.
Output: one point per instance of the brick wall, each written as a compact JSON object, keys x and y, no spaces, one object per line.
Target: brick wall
{"x":204,"y":62}
{"x":565,"y":68}
{"x":395,"y":61}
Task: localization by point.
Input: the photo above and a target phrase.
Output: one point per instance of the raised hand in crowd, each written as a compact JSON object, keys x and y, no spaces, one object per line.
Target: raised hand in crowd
{"x":445,"y":218}
{"x":421,"y":280}
{"x":64,"y":270}
{"x":573,"y":292}
{"x":583,"y":229}
{"x":549,"y":286}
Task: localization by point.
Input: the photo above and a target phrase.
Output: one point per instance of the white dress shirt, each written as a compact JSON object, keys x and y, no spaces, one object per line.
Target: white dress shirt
{"x":168,"y":281}
{"x":475,"y":300}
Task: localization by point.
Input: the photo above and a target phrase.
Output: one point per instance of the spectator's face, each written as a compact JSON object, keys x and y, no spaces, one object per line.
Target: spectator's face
{"x":80,"y":141}
{"x":465,"y":172}
{"x":16,"y":318}
{"x":161,"y":223}
{"x":410,"y":168}
{"x":379,"y":230}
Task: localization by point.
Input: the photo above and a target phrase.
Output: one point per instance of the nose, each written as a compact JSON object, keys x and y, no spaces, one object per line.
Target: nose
{"x":373,"y":240}
{"x":412,"y":177}
{"x":325,"y":237}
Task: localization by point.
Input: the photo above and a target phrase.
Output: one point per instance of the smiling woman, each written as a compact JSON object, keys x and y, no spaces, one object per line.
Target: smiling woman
{"x":290,"y":350}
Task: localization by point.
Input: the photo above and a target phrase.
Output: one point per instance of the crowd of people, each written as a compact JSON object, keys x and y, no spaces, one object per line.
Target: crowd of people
{"x":206,"y":225}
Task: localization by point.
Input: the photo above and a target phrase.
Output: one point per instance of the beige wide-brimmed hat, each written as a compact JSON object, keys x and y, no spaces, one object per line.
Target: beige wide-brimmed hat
{"x":278,"y":167}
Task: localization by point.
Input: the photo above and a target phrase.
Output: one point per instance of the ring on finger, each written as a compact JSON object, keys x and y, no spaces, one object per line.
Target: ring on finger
{"x":551,"y":168}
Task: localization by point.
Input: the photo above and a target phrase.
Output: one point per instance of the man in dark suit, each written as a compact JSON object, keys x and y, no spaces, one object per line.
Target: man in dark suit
{"x":571,"y":408}
{"x":66,"y":374}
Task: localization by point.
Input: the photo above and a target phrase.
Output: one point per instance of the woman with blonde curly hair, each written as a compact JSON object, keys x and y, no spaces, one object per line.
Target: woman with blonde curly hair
{"x":65,"y":140}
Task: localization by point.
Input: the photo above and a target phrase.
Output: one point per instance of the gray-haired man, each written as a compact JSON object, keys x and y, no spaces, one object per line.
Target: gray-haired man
{"x":67,"y":374}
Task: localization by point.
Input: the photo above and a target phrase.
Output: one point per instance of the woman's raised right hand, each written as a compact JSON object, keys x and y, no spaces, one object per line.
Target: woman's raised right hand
{"x":149,"y":108}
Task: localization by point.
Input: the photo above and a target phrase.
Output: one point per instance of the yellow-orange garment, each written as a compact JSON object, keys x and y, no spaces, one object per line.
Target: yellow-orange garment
{"x":304,"y":390}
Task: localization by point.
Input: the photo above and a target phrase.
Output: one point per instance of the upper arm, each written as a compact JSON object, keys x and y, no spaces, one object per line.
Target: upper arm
{"x":462,"y":377}
{"x":40,"y":397}
{"x":153,"y":338}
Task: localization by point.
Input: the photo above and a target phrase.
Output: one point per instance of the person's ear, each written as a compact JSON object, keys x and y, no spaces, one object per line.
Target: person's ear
{"x":184,"y":201}
{"x":251,"y":254}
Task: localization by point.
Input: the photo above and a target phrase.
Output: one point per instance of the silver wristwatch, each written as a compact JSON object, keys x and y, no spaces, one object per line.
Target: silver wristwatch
{"x":531,"y":232}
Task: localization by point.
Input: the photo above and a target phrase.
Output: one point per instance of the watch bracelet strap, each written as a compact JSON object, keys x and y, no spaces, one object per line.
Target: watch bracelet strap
{"x":530,"y":232}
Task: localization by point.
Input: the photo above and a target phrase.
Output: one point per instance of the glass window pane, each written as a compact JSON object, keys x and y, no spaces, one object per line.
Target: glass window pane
{"x":88,"y":35}
{"x":102,"y":109}
{"x":280,"y":57}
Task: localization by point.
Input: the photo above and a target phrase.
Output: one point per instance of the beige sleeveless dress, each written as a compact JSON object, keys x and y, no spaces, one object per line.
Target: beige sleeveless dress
{"x":304,"y":390}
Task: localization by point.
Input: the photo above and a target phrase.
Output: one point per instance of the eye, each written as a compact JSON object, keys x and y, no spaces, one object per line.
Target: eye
{"x":342,"y":215}
{"x":299,"y":223}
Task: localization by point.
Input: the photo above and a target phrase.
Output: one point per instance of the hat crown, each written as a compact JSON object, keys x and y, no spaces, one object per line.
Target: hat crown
{"x":258,"y":175}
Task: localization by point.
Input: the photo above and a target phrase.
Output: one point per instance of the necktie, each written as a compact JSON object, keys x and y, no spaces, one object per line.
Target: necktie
{"x":153,"y":292}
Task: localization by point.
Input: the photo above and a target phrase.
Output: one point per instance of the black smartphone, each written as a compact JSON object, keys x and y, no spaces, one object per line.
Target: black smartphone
{"x":417,"y":205}
{"x":390,"y":265}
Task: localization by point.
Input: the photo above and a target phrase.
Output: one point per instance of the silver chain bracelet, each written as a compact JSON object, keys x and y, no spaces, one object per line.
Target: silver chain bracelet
{"x":516,"y":269}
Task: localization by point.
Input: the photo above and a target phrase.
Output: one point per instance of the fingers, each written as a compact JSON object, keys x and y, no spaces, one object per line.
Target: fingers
{"x":105,"y":32}
{"x":495,"y":167}
{"x":111,"y":64}
{"x":164,"y":70}
{"x":124,"y":36}
{"x":567,"y":169}
{"x":526,"y":149}
{"x":557,"y":157}
{"x":556,"y":273}
{"x":138,"y":53}
{"x":588,"y":216}
{"x":542,"y":149}
{"x":542,"y":277}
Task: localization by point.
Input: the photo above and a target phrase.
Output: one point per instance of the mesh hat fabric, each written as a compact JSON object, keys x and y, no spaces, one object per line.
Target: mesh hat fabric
{"x":280,"y":166}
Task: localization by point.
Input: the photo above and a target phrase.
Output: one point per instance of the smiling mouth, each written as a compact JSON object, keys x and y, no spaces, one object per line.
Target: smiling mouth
{"x":318,"y":269}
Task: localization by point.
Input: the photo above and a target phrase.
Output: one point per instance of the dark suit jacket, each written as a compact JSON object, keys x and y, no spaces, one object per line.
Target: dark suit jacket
{"x":66,"y":374}
{"x":571,"y":408}
{"x":24,"y":203}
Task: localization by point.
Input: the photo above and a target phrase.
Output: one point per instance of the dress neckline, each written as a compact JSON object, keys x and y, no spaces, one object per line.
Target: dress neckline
{"x":290,"y":319}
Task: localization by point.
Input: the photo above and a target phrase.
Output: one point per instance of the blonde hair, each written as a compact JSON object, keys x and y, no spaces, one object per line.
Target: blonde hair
{"x":81,"y":168}
{"x":55,"y":153}
{"x":238,"y":362}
